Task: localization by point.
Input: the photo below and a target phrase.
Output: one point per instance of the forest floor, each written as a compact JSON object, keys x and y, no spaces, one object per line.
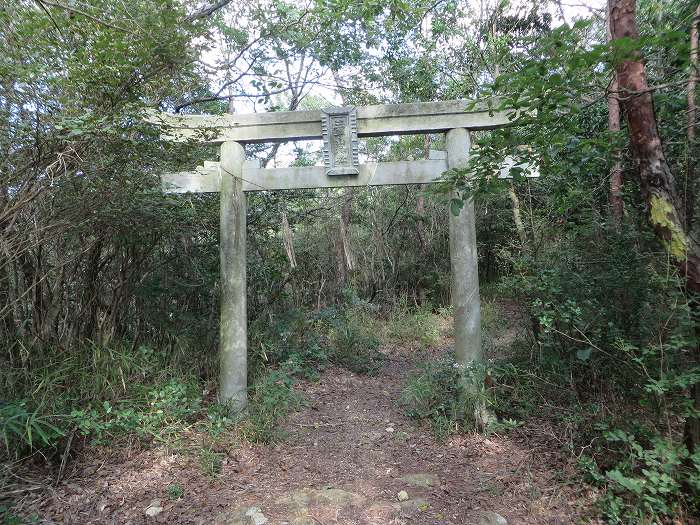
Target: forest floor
{"x":348,"y":454}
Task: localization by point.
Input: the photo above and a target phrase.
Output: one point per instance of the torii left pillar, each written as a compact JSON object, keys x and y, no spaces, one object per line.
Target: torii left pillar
{"x":233,"y":329}
{"x":463,"y":262}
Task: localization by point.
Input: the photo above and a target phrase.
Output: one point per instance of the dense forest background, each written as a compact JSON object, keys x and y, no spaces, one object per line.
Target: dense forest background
{"x":109,"y":289}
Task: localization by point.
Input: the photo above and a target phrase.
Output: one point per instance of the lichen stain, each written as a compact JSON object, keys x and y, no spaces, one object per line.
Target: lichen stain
{"x":674,"y":238}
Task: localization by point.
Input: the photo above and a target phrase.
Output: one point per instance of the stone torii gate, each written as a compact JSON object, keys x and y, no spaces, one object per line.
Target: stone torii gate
{"x":339,"y":128}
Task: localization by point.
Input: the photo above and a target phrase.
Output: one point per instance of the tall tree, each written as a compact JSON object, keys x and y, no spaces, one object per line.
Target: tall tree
{"x":659,"y":187}
{"x":616,"y":203}
{"x":692,"y":113}
{"x":694,"y":75}
{"x":666,"y":212}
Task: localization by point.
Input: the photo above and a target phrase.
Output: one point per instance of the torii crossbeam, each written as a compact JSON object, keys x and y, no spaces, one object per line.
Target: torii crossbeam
{"x":339,"y":128}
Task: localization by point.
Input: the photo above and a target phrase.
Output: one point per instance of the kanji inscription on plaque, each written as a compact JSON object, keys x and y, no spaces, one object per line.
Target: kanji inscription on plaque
{"x":339,"y":130}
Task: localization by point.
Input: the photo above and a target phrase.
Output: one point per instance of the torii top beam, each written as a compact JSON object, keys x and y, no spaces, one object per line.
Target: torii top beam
{"x":372,"y":121}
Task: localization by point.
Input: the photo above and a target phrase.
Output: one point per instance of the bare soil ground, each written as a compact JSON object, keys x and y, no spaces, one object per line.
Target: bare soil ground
{"x":348,"y":453}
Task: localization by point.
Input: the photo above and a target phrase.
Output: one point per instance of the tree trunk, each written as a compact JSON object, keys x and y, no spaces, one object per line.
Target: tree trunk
{"x":616,"y":202}
{"x":517,"y":217}
{"x":615,"y":199}
{"x":690,"y":182}
{"x":288,"y":240}
{"x":348,"y":256}
{"x":693,"y":80}
{"x":658,"y":185}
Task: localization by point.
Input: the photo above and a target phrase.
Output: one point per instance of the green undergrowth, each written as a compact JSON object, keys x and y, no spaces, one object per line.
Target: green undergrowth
{"x":627,"y":441}
{"x":94,"y":393}
{"x":616,"y":405}
{"x":436,"y":395}
{"x":347,"y":336}
{"x":417,"y":325}
{"x":607,"y":365}
{"x":98,"y":395}
{"x":271,"y":397}
{"x":445,"y":397}
{"x":628,"y":445}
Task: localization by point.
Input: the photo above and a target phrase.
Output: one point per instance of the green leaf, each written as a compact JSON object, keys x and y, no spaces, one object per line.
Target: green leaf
{"x":632,"y":484}
{"x":456,"y":206}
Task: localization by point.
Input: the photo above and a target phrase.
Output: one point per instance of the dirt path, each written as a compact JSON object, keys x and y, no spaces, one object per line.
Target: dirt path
{"x":348,"y":454}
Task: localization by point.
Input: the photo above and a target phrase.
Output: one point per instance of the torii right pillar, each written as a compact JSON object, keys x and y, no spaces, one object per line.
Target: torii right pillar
{"x":463,"y":262}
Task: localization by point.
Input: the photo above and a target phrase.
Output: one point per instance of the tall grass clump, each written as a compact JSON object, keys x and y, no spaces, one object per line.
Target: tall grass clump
{"x":414,"y":325}
{"x":94,"y":392}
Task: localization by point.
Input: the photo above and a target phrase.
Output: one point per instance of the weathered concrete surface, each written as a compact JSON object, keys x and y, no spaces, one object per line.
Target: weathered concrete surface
{"x":202,"y":180}
{"x":371,"y":174}
{"x":421,"y":480}
{"x":385,"y":119}
{"x":206,"y":178}
{"x":492,"y":518}
{"x":310,"y":506}
{"x":233,"y":331}
{"x":303,"y":498}
{"x":463,"y":262}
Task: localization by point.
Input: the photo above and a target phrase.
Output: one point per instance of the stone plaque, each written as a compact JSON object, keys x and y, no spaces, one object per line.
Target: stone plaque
{"x":339,"y":129}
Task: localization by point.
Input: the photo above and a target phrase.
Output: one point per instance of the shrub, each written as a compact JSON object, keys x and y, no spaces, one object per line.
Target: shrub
{"x":292,"y":338}
{"x":355,"y":349}
{"x":611,"y":352}
{"x":271,"y":397}
{"x":418,"y":324}
{"x":8,"y":517}
{"x":491,"y":324}
{"x":653,"y":479}
{"x":437,"y":394}
{"x":175,"y":491}
{"x":98,"y":391}
{"x":210,"y":461}
{"x":24,"y":430}
{"x":166,"y":408}
{"x":352,"y":337}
